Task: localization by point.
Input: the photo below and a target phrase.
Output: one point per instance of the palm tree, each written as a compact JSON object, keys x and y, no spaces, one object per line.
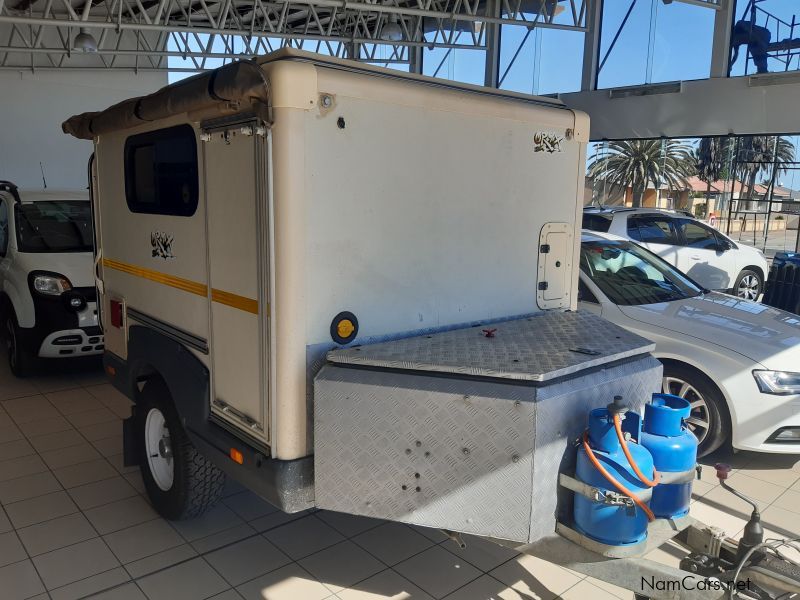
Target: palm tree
{"x":710,"y":157}
{"x":637,"y":163}
{"x":756,"y":155}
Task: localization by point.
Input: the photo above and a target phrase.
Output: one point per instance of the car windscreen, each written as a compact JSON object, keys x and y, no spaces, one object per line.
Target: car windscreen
{"x":54,"y":226}
{"x":628,"y":274}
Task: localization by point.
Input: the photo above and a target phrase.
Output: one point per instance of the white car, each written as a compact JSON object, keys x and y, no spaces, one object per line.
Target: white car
{"x":736,"y":361}
{"x":47,"y":289}
{"x":709,"y":257}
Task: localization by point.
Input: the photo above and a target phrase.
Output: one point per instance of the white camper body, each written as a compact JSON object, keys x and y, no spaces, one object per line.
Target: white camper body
{"x":251,"y":219}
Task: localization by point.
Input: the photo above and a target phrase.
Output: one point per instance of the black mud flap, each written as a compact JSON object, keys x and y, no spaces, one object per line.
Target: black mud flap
{"x":130,"y":443}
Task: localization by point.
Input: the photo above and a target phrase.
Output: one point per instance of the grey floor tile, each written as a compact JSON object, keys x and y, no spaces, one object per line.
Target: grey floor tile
{"x":101,"y":492}
{"x":342,"y":565}
{"x":110,"y":446}
{"x":72,"y":455}
{"x":15,"y":388}
{"x":393,"y":542}
{"x":228,"y":595}
{"x":481,"y":553}
{"x":192,"y":580}
{"x":135,"y":479}
{"x":15,"y":449}
{"x":276,"y":519}
{"x":215,"y":520}
{"x":56,"y":533}
{"x":59,"y":439}
{"x":5,"y":524}
{"x":19,"y":581}
{"x":247,"y":560}
{"x":117,"y":461}
{"x":101,"y":431}
{"x":128,"y":591}
{"x":10,"y":432}
{"x":120,"y":515}
{"x":348,"y":525}
{"x":143,"y":540}
{"x":73,"y":401}
{"x":304,"y":536}
{"x":291,"y":582}
{"x":28,"y":486}
{"x":90,"y":585}
{"x":92,"y":417}
{"x":27,"y":465}
{"x":83,"y":473}
{"x":249,"y":506}
{"x":386,"y":585}
{"x":44,"y":426}
{"x":223,"y":538}
{"x":28,"y":409}
{"x":489,"y":588}
{"x":437,"y":571}
{"x":42,"y":508}
{"x":11,"y":549}
{"x":160,"y":560}
{"x":73,"y":563}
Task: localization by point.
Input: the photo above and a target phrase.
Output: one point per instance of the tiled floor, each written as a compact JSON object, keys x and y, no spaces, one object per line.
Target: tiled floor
{"x":75,"y":524}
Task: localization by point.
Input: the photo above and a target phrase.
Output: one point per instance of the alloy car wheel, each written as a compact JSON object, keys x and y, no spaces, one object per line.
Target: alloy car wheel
{"x":699,"y":421}
{"x":749,"y":287}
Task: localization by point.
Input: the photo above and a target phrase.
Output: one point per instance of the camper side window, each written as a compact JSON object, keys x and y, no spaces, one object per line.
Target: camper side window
{"x":161,"y":172}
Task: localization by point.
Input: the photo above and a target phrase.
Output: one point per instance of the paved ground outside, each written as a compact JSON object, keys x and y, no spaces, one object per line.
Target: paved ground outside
{"x":75,"y":523}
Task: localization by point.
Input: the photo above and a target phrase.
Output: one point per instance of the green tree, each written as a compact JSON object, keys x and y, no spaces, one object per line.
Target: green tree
{"x":756,"y":155}
{"x":711,"y":162}
{"x":638,"y":163}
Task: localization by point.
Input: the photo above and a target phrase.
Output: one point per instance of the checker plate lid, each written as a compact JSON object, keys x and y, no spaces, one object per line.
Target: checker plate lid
{"x":538,"y":348}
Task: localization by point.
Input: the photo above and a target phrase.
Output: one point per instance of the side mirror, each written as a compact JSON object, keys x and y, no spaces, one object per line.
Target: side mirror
{"x":723,"y":246}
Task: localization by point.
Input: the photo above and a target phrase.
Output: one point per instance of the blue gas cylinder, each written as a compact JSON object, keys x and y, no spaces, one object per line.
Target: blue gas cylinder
{"x":609,"y":524}
{"x":674,"y":450}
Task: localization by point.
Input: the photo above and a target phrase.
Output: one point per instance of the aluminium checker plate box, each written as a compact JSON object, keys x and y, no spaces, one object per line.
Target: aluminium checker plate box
{"x":462,"y":432}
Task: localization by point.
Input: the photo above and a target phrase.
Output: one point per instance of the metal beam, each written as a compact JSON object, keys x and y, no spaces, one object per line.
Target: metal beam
{"x":721,"y":46}
{"x":591,"y":45}
{"x":492,"y":31}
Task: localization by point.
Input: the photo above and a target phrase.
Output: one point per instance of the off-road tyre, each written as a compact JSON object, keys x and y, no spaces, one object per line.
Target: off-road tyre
{"x":197,"y":484}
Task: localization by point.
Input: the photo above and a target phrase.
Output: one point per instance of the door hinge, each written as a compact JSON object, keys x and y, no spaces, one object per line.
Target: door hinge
{"x":544,"y":248}
{"x":227,"y":409}
{"x":542,"y":286}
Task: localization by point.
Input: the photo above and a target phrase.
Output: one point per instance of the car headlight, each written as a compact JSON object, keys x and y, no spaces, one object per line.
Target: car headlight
{"x":777,"y":382}
{"x":51,"y":285}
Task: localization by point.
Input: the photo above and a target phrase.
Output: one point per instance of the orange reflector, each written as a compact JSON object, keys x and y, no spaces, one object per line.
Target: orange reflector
{"x":236,"y":456}
{"x":111,"y":370}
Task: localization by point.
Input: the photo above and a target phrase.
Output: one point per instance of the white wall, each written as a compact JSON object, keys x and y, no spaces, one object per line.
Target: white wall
{"x":32,"y":108}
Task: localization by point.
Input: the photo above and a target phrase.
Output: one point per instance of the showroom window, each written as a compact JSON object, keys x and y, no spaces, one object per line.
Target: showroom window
{"x":652,"y":41}
{"x":161,"y":172}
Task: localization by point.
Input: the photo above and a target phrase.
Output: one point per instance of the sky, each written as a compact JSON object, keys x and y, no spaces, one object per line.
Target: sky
{"x":659,"y":42}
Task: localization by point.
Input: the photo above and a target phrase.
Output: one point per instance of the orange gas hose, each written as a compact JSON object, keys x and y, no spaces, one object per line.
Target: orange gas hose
{"x":621,"y":488}
{"x":656,"y":475}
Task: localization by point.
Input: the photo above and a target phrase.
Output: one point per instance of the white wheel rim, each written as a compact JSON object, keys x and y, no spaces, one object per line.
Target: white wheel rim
{"x":699,"y":421}
{"x":748,"y":287}
{"x":159,"y":449}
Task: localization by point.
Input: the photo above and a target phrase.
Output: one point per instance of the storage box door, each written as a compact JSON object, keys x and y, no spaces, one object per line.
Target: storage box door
{"x":237,"y":220}
{"x":555,"y":266}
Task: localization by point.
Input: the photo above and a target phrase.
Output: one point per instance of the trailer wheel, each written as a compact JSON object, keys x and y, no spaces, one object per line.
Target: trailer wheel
{"x":180,"y":482}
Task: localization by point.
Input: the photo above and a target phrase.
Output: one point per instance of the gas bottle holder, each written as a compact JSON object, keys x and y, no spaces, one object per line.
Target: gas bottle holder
{"x":600,"y":495}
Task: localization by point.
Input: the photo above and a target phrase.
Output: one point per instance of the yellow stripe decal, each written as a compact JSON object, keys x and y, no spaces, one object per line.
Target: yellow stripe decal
{"x":186,"y":285}
{"x":220,"y":296}
{"x":234,"y":300}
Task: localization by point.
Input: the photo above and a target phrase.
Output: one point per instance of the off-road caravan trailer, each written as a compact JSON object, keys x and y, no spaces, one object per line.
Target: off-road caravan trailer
{"x":351,"y":288}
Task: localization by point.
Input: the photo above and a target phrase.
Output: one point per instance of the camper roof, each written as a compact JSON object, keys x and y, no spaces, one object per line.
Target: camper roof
{"x":241,"y":82}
